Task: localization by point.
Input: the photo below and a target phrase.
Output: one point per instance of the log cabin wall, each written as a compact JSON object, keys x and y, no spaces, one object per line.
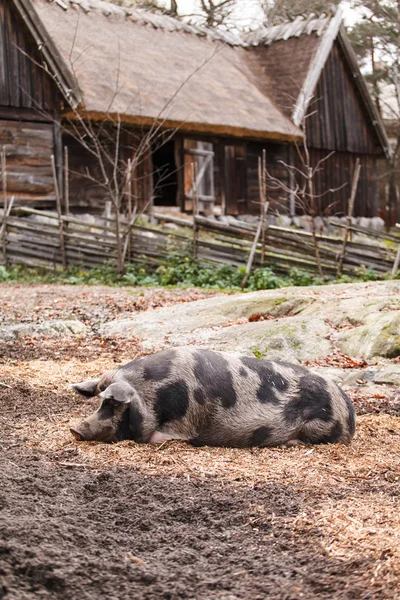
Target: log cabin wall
{"x":30,"y":108}
{"x":339,"y":122}
{"x":86,"y":194}
{"x":332,"y":183}
{"x":276,"y":156}
{"x":87,"y":191}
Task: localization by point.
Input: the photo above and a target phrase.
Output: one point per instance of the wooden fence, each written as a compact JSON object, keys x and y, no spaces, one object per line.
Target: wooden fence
{"x":43,"y":239}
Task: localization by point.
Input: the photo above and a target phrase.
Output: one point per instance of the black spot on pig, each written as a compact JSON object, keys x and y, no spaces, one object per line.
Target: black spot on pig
{"x":135,"y":423}
{"x":158,"y":366}
{"x":243,"y":372}
{"x":198,"y":442}
{"x":130,"y":425}
{"x":313,"y":400}
{"x":351,"y":418}
{"x":260,"y":436}
{"x":199,"y":396}
{"x":172,"y":402}
{"x":212,"y":372}
{"x":333,"y":436}
{"x":270,"y":381}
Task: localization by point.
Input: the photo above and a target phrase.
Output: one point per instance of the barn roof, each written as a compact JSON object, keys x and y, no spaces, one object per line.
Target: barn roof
{"x":147,"y":67}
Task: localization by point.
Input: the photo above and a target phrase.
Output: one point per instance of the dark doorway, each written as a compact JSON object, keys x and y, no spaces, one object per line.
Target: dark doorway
{"x":236,"y":180}
{"x":165,"y":175}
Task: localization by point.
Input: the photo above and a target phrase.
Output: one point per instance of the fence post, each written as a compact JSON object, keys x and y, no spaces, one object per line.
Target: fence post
{"x":3,"y":231}
{"x":354,"y":185}
{"x":262,"y":184}
{"x":397,"y":259}
{"x":5,"y":202}
{"x":59,"y":212}
{"x":195,"y":209}
{"x":66,"y":181}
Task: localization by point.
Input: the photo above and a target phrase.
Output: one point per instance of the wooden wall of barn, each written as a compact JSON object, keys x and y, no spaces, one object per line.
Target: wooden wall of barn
{"x":23,"y":83}
{"x":236,"y":175}
{"x":87,"y":190}
{"x":30,"y":108}
{"x":339,"y":122}
{"x":332,"y":183}
{"x":338,"y":119}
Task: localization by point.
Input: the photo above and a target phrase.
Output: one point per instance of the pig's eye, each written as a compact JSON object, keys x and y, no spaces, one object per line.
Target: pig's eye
{"x":111,"y":401}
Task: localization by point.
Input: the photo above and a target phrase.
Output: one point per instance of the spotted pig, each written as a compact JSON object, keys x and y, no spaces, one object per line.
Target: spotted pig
{"x":217,"y":399}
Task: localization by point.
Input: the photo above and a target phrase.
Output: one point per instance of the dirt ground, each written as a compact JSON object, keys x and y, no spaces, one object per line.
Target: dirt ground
{"x":91,"y":521}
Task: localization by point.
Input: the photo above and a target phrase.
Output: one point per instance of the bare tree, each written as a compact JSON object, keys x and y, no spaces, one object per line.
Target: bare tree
{"x":154,"y":5}
{"x":280,"y":11}
{"x":216,"y":13}
{"x":118,"y":162}
{"x":376,"y":40}
{"x":302,"y":187}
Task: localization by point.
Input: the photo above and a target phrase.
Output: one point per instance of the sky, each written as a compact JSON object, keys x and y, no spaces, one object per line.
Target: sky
{"x":249,"y":13}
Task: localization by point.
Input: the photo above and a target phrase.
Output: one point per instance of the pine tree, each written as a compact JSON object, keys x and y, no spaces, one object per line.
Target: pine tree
{"x":376,"y":39}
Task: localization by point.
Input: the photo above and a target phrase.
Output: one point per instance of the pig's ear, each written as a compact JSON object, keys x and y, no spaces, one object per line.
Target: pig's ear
{"x":88,"y":388}
{"x":116,"y":400}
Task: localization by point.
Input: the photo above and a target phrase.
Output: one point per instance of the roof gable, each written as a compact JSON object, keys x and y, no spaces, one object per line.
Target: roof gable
{"x":295,"y":54}
{"x":53,"y":62}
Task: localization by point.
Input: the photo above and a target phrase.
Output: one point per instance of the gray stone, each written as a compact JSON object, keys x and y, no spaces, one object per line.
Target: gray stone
{"x":305,"y":222}
{"x":364,"y":222}
{"x":223,"y":219}
{"x":47,"y":329}
{"x":272,"y":220}
{"x":229,"y":219}
{"x":355,"y":377}
{"x":377,"y":224}
{"x":222,"y":321}
{"x":380,"y":336}
{"x":212,"y":312}
{"x":319,"y":225}
{"x":296,"y":221}
{"x":284,"y":221}
{"x":336,"y":375}
{"x":248,"y":218}
{"x":171,"y":226}
{"x":292,"y":339}
{"x":388,"y":375}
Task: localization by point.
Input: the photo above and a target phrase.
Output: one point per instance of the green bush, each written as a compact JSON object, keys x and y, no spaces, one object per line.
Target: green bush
{"x":264,"y":279}
{"x":365,"y":274}
{"x":178,"y":270}
{"x":4,"y":274}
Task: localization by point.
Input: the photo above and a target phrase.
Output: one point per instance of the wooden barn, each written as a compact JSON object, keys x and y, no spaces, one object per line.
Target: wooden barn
{"x":180,"y":95}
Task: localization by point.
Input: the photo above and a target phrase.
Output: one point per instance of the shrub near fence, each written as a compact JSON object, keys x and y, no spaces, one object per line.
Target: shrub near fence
{"x":42,"y":239}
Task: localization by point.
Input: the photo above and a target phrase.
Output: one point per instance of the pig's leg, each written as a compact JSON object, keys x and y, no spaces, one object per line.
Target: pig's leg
{"x":292,"y":443}
{"x":159,"y":437}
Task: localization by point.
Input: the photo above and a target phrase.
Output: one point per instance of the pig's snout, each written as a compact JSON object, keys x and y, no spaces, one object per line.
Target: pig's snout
{"x":77,"y":434}
{"x":94,"y":429}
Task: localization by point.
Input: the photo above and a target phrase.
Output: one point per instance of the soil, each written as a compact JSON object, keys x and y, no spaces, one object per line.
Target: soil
{"x":124,"y":521}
